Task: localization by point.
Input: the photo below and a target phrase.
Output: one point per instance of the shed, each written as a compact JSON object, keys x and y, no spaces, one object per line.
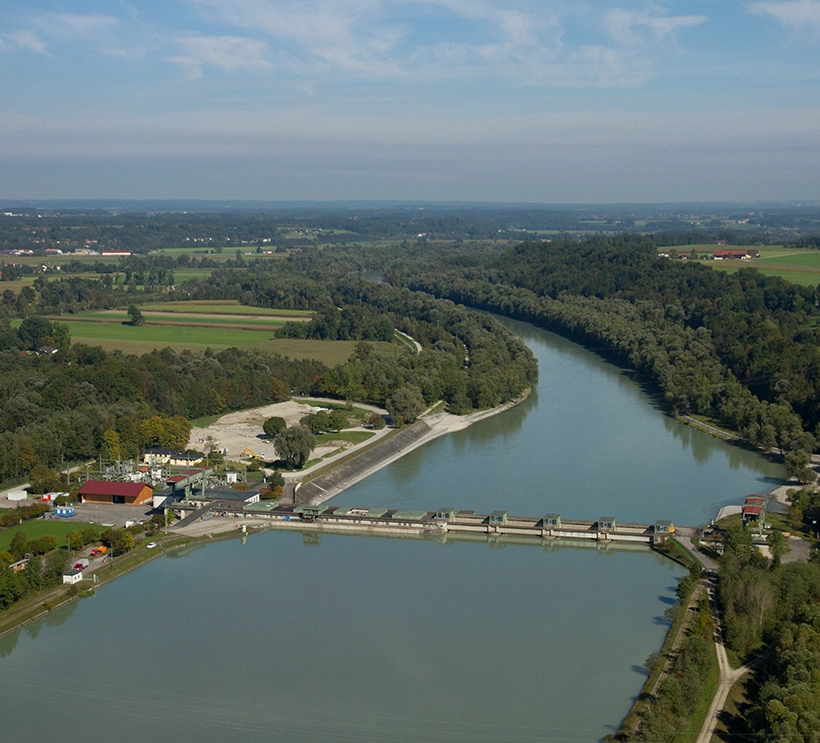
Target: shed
{"x":122,"y":493}
{"x":551,"y":519}
{"x":65,"y":512}
{"x":498,"y":517}
{"x":73,"y":576}
{"x":751,"y":514}
{"x":664,"y":527}
{"x":446,"y":514}
{"x":19,"y":565}
{"x":606,"y":523}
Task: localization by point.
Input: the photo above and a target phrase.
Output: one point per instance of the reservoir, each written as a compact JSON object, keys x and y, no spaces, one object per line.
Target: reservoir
{"x":344,"y":638}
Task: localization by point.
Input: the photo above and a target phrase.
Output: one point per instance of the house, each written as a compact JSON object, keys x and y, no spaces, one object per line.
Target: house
{"x":122,"y":493}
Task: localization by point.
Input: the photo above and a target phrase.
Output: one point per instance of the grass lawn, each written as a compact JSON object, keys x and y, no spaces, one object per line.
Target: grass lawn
{"x":354,"y":437}
{"x":38,"y":528}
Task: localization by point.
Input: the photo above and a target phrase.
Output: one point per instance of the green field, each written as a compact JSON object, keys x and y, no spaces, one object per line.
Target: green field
{"x":38,"y":528}
{"x":152,"y":318}
{"x":353,"y":437}
{"x":796,"y":265}
{"x":146,"y":338}
{"x":117,"y":335}
{"x":223,"y":307}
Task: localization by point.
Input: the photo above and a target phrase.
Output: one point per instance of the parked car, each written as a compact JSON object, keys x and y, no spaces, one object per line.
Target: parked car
{"x":150,"y":545}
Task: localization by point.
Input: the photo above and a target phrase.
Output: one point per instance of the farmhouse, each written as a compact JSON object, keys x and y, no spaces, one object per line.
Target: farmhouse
{"x":126,"y":493}
{"x":743,"y":255}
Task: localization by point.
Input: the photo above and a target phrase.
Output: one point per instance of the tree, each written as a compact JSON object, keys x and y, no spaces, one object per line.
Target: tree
{"x":778,"y":546}
{"x":19,"y":545}
{"x":337,"y":420}
{"x":110,"y":445}
{"x":61,"y":335}
{"x":797,"y":465}
{"x":33,"y":331}
{"x":406,"y":402}
{"x":374,"y":420}
{"x":294,"y":446}
{"x":274,"y":425}
{"x":135,"y":315}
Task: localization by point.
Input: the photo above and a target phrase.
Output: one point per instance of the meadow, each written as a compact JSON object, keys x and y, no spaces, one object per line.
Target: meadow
{"x":201,"y":324}
{"x":39,"y":528}
{"x":796,"y":265}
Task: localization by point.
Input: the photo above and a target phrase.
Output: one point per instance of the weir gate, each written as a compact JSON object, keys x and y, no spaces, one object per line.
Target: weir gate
{"x":442,"y":521}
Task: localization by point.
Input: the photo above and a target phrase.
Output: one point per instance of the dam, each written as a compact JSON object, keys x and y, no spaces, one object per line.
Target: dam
{"x":442,"y":521}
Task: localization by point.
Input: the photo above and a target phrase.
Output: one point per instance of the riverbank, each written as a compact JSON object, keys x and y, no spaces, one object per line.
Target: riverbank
{"x":438,"y":423}
{"x":353,"y":469}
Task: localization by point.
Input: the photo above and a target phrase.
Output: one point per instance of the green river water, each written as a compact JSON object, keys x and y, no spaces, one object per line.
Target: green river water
{"x":377,"y":639}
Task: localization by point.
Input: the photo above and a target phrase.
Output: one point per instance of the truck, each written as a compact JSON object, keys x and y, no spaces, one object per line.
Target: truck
{"x":101,"y":550}
{"x":81,"y":564}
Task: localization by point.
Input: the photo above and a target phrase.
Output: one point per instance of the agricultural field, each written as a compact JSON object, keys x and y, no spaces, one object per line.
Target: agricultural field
{"x":201,"y":324}
{"x":796,"y":265}
{"x":223,"y":307}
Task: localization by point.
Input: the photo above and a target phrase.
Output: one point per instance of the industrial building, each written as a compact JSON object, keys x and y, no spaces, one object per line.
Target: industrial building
{"x":123,"y":493}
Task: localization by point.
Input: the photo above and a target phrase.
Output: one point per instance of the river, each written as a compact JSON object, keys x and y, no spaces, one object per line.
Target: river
{"x":374,"y":639}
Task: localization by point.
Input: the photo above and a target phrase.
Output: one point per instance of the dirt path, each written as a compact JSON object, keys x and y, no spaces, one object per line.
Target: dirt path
{"x":728,"y":675}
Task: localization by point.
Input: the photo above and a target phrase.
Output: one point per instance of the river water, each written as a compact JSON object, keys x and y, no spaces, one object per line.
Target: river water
{"x":374,"y":639}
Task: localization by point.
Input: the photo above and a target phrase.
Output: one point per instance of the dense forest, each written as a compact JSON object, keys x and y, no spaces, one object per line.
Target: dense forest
{"x":81,"y":402}
{"x":740,"y":348}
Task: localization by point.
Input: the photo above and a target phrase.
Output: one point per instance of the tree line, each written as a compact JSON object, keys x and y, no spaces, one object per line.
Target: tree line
{"x":739,"y":348}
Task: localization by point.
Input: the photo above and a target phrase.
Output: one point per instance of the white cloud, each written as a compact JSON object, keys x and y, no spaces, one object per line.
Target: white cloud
{"x":796,"y":14}
{"x":73,"y":26}
{"x":631,"y":28}
{"x":26,"y":40}
{"x":231,"y":53}
{"x":523,"y":44}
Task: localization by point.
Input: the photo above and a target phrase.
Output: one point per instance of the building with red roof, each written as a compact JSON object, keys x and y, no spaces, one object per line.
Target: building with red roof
{"x":122,"y":493}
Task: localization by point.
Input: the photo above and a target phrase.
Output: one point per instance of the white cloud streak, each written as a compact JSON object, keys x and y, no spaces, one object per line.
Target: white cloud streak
{"x":795,"y":14}
{"x":26,"y":40}
{"x":72,"y":26}
{"x":630,"y":28}
{"x":523,"y":45}
{"x":231,"y":53}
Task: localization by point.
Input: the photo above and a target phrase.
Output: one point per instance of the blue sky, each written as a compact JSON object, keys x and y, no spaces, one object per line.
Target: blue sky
{"x":467,"y":100}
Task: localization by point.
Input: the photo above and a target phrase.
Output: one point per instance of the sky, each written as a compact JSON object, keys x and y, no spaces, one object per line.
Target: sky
{"x":540,"y":101}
